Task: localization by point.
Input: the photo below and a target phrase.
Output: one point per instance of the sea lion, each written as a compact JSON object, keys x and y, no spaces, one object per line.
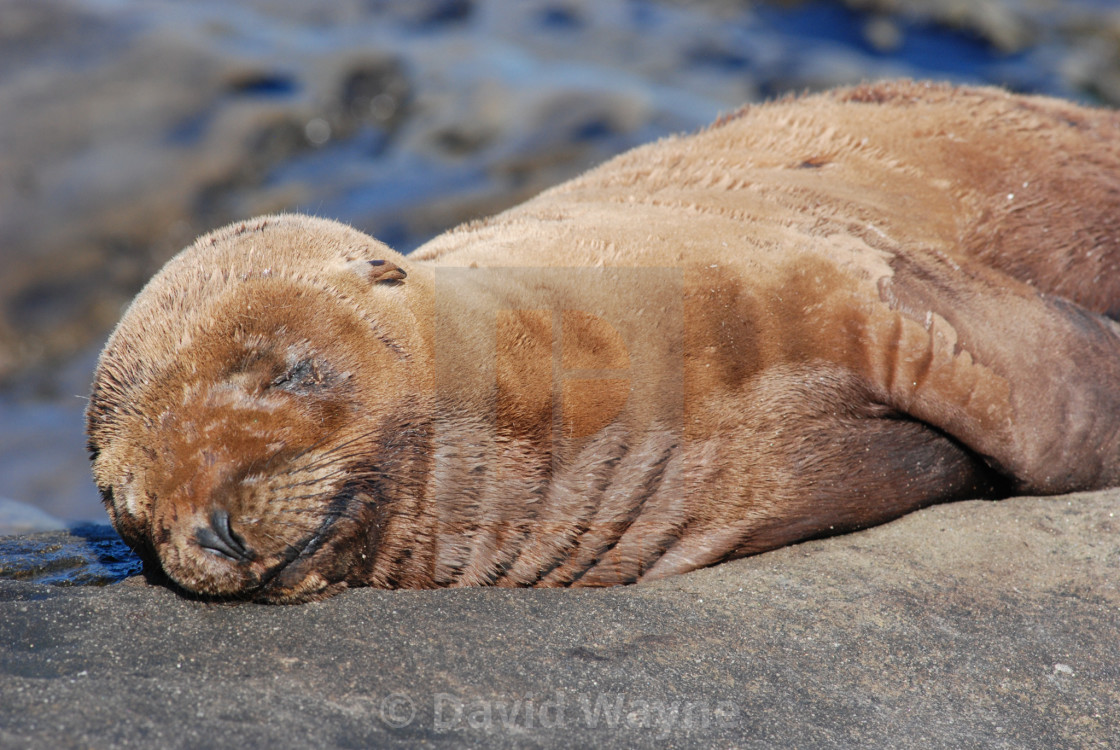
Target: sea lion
{"x":815,"y":315}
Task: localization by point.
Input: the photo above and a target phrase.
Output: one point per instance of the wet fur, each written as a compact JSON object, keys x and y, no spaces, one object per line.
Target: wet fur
{"x":885,"y":297}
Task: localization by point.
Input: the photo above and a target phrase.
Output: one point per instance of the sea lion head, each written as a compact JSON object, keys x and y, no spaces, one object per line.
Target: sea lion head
{"x":257,"y":407}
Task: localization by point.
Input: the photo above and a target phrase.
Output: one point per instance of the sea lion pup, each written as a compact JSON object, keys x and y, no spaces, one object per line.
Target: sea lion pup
{"x":816,"y":315}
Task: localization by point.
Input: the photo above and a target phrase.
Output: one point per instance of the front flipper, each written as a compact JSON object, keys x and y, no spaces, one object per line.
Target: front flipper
{"x":851,"y":475}
{"x":1029,"y":382}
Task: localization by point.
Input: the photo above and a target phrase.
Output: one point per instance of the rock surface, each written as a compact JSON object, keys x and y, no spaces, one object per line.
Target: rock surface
{"x":973,"y":624}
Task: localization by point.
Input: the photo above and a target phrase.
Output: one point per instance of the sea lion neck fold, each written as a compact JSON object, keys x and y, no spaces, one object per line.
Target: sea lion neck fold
{"x":814,"y":316}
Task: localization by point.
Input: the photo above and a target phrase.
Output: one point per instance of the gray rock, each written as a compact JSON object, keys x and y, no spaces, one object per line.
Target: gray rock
{"x":974,"y":624}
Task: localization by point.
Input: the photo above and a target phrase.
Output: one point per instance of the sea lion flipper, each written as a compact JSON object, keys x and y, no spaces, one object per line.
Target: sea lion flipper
{"x":1026,"y":380}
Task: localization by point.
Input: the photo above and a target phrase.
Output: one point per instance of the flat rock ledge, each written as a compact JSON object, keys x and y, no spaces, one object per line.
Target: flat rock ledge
{"x":973,"y":624}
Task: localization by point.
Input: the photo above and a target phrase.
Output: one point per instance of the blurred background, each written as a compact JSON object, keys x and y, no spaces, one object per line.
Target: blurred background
{"x":128,"y":127}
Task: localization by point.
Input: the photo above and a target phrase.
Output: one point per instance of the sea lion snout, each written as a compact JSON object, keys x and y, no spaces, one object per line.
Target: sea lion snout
{"x":201,"y":551}
{"x":237,"y":488}
{"x":220,"y":539}
{"x":230,"y":532}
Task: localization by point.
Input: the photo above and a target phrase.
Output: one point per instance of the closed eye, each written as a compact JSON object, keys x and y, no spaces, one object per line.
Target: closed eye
{"x":303,"y":377}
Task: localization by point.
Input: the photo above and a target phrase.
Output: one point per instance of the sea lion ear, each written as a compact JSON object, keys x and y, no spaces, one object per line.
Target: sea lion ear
{"x":378,"y":271}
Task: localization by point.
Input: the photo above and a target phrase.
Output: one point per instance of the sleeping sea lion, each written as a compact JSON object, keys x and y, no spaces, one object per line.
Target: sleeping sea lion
{"x":815,"y":315}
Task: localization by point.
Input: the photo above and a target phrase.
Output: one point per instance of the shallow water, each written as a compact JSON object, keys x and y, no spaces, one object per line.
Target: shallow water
{"x":401,"y":118}
{"x":87,"y":555}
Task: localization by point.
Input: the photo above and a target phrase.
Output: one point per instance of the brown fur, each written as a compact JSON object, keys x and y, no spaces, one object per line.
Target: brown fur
{"x":814,"y":316}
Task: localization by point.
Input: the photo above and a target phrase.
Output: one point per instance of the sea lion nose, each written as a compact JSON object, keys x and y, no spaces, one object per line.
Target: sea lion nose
{"x":220,"y":539}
